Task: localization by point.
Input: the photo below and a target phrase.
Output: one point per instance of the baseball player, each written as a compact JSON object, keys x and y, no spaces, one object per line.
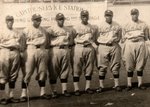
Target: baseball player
{"x":37,"y":55}
{"x":9,"y":60}
{"x":84,"y":52}
{"x":60,"y":62}
{"x":135,"y":33}
{"x":109,"y":51}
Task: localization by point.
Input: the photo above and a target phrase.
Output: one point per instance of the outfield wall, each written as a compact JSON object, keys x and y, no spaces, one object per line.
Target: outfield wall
{"x":122,"y":12}
{"x":22,"y":12}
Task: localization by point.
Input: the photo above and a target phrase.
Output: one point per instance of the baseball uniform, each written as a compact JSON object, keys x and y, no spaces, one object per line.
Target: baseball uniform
{"x":10,"y":60}
{"x":10,"y":56}
{"x":84,"y":53}
{"x":109,"y":51}
{"x":60,"y":50}
{"x":109,"y":54}
{"x":37,"y":55}
{"x":134,"y":50}
{"x":60,"y":62}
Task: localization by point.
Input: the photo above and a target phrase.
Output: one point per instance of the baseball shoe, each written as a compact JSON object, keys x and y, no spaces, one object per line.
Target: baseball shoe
{"x":23,"y":99}
{"x":55,"y":95}
{"x":100,"y":90}
{"x":3,"y":101}
{"x":142,"y":87}
{"x":66,"y":94}
{"x":118,"y":88}
{"x":45,"y":96}
{"x":129,"y":88}
{"x":13,"y":100}
{"x":77,"y":93}
{"x":89,"y":91}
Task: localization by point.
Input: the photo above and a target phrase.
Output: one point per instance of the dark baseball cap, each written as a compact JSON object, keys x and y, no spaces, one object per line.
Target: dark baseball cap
{"x":60,"y":16}
{"x":9,"y":17}
{"x":134,"y":11}
{"x":84,"y":13}
{"x":36,"y":16}
{"x":108,"y":13}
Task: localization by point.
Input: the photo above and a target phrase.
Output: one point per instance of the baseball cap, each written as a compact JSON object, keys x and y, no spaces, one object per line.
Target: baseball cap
{"x":134,"y":11}
{"x":36,"y":16}
{"x":9,"y":17}
{"x":84,"y":13}
{"x":109,"y":13}
{"x":60,"y":16}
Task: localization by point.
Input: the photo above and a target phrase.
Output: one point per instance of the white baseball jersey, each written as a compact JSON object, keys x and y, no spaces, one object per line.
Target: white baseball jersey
{"x":108,"y":32}
{"x":85,"y":33}
{"x":9,"y":38}
{"x":61,"y":35}
{"x":35,"y":36}
{"x":134,"y":29}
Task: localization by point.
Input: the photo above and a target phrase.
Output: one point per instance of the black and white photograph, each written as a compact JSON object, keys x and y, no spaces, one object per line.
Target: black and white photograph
{"x":74,"y":53}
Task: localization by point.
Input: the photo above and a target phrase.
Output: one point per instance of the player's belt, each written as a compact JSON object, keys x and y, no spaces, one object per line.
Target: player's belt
{"x":105,"y":44}
{"x":60,"y":46}
{"x":35,"y":46}
{"x":10,"y":49}
{"x":136,"y":39}
{"x":84,"y":44}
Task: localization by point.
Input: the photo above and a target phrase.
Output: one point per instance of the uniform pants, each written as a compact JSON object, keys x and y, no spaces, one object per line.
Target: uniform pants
{"x":83,"y":60}
{"x":9,"y":64}
{"x":59,"y":64}
{"x":134,"y":55}
{"x":109,"y":55}
{"x":36,"y":58}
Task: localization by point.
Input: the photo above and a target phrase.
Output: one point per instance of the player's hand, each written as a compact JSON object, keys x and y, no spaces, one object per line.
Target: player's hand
{"x":109,"y":43}
{"x":94,"y":45}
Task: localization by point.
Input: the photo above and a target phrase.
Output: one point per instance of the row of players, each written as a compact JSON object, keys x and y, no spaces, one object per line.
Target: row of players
{"x":60,"y":49}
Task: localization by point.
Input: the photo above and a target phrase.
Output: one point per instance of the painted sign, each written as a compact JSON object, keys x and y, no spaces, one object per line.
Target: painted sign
{"x":23,"y":12}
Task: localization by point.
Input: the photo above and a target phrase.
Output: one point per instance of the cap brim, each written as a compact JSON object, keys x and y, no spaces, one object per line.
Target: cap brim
{"x":35,"y":18}
{"x":62,"y":18}
{"x":108,"y":15}
{"x":9,"y":19}
{"x":134,"y":13}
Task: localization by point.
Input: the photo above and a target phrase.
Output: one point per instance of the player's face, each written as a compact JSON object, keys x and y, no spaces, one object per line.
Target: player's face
{"x":10,"y":24}
{"x":108,"y":18}
{"x":85,"y":19}
{"x":135,"y":17}
{"x":36,"y":23}
{"x":60,"y":22}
